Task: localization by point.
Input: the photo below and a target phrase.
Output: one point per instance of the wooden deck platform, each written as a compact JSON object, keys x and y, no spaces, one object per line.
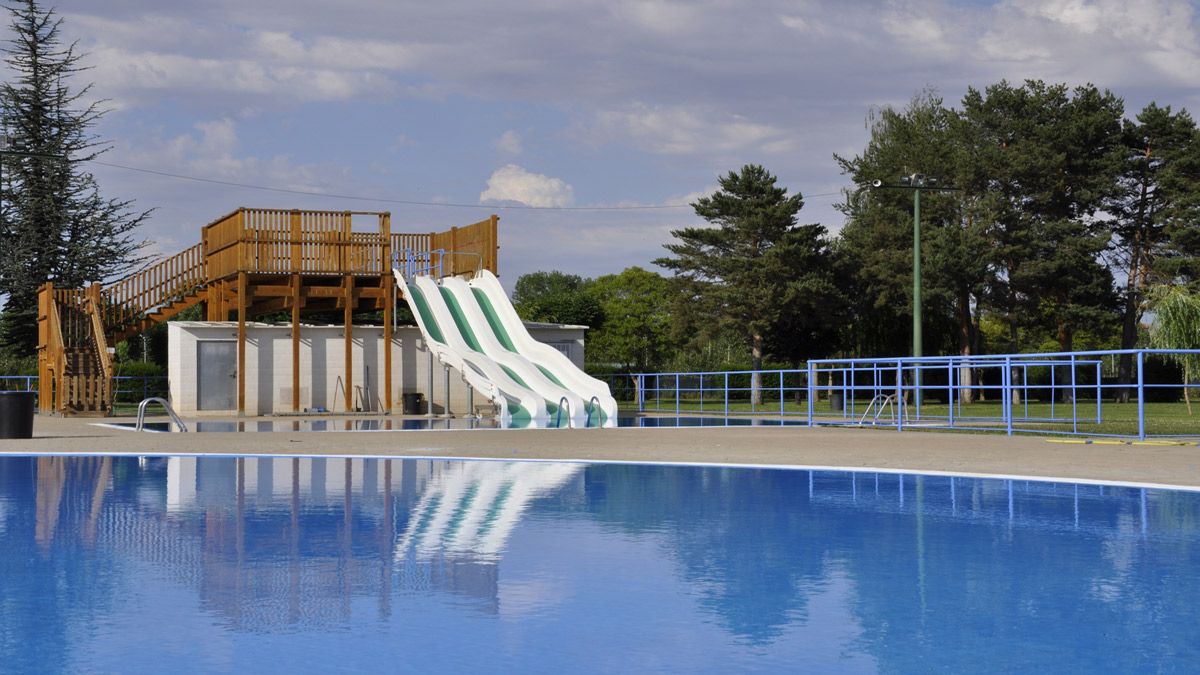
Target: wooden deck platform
{"x":249,"y":263}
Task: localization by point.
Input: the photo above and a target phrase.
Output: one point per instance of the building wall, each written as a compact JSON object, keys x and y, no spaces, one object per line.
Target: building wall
{"x":322,"y":366}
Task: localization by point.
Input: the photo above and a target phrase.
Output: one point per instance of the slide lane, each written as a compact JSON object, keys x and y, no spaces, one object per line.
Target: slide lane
{"x":519,"y":405}
{"x":510,"y":332}
{"x":480,"y":336}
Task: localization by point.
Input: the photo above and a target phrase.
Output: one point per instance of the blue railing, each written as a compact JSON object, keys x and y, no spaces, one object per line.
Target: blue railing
{"x":126,"y":388}
{"x":412,"y":263}
{"x":1070,"y":393}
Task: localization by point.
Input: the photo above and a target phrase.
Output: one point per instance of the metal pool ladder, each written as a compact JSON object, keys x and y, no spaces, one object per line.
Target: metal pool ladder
{"x":878,"y":404}
{"x":141,"y":418}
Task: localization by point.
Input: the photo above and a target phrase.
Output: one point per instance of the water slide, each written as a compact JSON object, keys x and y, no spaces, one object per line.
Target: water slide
{"x":511,"y":332}
{"x":518,"y":405}
{"x":466,"y":332}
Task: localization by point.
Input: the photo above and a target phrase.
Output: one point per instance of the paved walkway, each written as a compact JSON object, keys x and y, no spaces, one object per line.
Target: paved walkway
{"x":915,"y":451}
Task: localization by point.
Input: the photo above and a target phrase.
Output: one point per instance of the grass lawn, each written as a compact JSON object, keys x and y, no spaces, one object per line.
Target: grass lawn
{"x":1116,"y":418}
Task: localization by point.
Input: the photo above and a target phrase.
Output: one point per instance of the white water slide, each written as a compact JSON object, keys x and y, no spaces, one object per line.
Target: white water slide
{"x":473,"y":328}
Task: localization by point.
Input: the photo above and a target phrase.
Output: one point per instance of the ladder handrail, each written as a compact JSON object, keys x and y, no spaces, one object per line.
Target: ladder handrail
{"x":593,"y":404}
{"x":562,"y":405}
{"x":141,"y":417}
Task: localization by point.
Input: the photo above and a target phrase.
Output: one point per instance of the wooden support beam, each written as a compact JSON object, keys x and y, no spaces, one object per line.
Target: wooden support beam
{"x":243,"y":291}
{"x":271,"y":306}
{"x":272,"y":291}
{"x":332,"y":291}
{"x":296,"y":283}
{"x":348,"y":321}
{"x":386,"y":280}
{"x":277,"y":291}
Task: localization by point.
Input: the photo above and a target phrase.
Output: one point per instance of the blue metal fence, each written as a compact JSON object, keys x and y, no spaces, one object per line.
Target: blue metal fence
{"x":126,"y":388}
{"x":1071,"y":393}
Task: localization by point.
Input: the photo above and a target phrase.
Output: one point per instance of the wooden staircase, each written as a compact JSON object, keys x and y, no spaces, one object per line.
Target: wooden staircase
{"x":76,"y":328}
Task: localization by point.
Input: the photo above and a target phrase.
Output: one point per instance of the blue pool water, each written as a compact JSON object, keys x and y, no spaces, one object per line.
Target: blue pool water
{"x":316,"y":565}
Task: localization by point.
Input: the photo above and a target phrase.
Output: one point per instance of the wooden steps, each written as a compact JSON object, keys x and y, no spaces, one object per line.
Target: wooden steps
{"x":163,"y":313}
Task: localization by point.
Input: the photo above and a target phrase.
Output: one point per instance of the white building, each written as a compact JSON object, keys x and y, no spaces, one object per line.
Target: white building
{"x":202,"y":367}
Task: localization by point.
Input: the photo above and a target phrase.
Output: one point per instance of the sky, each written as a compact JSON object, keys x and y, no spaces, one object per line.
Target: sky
{"x":572,"y":107}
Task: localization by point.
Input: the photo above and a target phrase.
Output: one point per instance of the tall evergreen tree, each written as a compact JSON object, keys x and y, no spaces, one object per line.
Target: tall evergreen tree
{"x":745,"y":270}
{"x":1159,"y":191}
{"x":924,"y":137}
{"x":54,"y":223}
{"x":1048,"y":157}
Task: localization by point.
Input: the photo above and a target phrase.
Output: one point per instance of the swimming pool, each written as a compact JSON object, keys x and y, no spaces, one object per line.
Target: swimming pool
{"x":268,"y":564}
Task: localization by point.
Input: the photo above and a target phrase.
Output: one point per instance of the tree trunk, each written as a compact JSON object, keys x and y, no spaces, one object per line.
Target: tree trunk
{"x":756,"y":359}
{"x":966,"y":393}
{"x":1066,"y":340}
{"x":1131,"y":313}
{"x":1012,"y":376}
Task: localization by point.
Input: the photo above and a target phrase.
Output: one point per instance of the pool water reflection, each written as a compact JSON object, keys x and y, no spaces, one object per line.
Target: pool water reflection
{"x":195,"y":565}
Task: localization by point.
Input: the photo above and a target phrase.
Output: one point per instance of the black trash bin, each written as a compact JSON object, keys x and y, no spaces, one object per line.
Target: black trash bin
{"x":837,"y":401}
{"x":16,"y":413}
{"x":411,"y":403}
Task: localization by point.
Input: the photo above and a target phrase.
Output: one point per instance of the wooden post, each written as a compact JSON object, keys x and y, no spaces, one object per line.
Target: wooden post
{"x":296,"y":342}
{"x":494,"y":245}
{"x":45,"y":349}
{"x":389,"y":302}
{"x":294,"y":250}
{"x":242,"y":290}
{"x":348,"y":320}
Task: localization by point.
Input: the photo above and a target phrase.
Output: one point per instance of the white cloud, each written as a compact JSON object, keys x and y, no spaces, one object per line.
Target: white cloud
{"x":678,"y":130}
{"x":133,"y":72}
{"x":511,"y":183}
{"x":509,"y":143}
{"x":214,"y":151}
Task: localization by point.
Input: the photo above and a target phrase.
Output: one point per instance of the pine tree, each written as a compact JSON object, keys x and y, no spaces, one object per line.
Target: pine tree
{"x":54,"y":223}
{"x":744,"y":271}
{"x":1156,"y":200}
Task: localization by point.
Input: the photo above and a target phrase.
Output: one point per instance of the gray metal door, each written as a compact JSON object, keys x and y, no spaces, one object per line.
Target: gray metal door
{"x":216,"y":375}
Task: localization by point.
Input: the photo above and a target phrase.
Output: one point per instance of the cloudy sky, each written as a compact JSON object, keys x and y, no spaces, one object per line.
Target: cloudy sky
{"x":582,"y":105}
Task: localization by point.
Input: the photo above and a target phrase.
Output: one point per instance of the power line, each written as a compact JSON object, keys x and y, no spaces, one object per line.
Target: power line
{"x":407,"y":202}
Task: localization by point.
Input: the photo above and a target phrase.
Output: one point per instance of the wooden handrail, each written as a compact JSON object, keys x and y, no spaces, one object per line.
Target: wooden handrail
{"x":134,"y":296}
{"x":58,"y":353}
{"x":98,"y":330}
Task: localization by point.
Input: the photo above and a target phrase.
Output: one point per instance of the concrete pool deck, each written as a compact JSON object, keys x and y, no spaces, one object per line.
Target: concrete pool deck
{"x":1151,"y":463}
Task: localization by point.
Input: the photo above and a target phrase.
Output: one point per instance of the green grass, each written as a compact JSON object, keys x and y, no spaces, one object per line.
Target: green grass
{"x":1116,"y":418}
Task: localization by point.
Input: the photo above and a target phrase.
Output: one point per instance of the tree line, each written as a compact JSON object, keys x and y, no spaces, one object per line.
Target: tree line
{"x":1063,"y":218}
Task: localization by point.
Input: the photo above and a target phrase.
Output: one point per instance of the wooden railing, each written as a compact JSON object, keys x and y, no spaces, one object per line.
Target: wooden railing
{"x":138,"y":294}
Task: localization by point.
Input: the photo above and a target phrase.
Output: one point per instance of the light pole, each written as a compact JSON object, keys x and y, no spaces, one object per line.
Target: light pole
{"x":916,"y":182}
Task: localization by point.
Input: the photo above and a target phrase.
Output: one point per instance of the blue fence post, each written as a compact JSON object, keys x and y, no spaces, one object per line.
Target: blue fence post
{"x":677,"y":394}
{"x":726,"y":394}
{"x":851,"y":391}
{"x":781,"y":393}
{"x":809,"y":387}
{"x":1141,"y":391}
{"x":701,"y":392}
{"x":1053,"y":393}
{"x":1006,"y":394}
{"x":1074,"y":400}
{"x":899,"y":404}
{"x":1099,"y":390}
{"x":847,"y":391}
{"x":641,"y":397}
{"x":950,"y":397}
